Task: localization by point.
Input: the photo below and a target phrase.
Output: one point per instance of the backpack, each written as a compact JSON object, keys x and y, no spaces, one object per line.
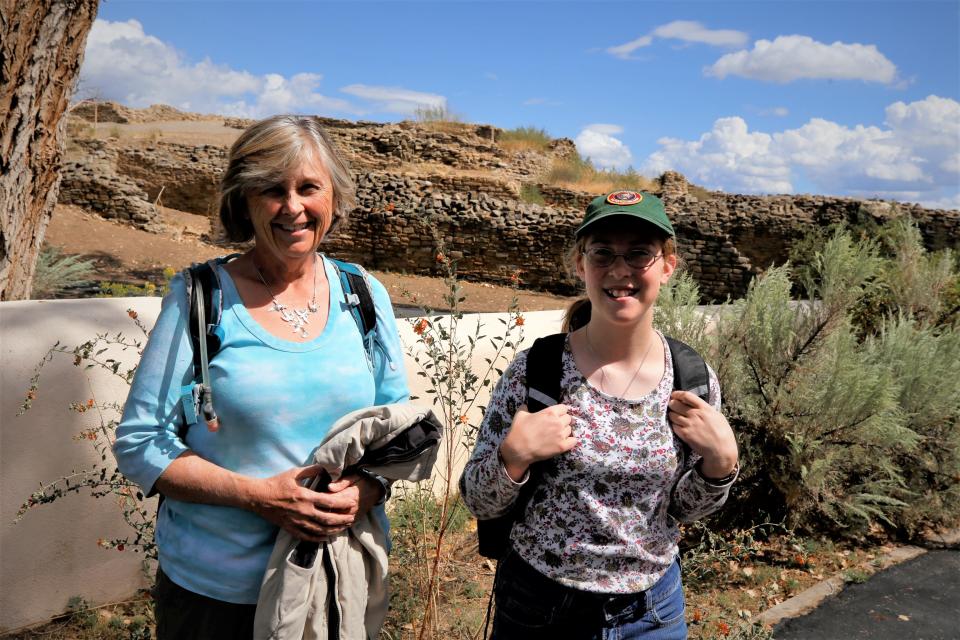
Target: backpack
{"x":206,"y":306}
{"x":544,"y":369}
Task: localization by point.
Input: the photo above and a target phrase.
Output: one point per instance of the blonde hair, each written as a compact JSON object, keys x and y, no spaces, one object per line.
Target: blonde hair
{"x":577,"y":313}
{"x":268,"y":150}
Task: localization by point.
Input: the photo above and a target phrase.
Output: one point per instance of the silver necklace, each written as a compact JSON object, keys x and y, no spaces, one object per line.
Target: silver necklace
{"x":296,"y":318}
{"x":603,"y":376}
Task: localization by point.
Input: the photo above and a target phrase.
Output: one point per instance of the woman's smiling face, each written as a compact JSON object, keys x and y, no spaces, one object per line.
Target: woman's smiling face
{"x":291,"y":216}
{"x":619,"y":291}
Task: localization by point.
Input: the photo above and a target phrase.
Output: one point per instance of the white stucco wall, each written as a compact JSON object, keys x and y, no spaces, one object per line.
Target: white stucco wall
{"x":52,"y":555}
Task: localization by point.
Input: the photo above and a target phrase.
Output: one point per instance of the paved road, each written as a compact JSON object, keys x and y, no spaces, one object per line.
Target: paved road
{"x":916,"y":600}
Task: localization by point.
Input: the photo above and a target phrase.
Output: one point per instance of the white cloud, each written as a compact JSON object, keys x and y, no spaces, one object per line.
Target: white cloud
{"x":624,"y":50}
{"x":396,"y":99}
{"x":685,"y":31}
{"x":689,"y":31}
{"x":125,"y":64}
{"x":915,"y":156}
{"x":795,"y":57}
{"x":598,"y":143}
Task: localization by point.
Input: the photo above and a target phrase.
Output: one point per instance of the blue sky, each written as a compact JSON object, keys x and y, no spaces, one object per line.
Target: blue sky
{"x":833,"y":97}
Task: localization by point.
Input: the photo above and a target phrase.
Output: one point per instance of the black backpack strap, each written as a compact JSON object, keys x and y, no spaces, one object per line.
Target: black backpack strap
{"x":204,"y":289}
{"x":356,"y":293}
{"x":690,"y":371}
{"x":544,"y":370}
{"x":205,"y":296}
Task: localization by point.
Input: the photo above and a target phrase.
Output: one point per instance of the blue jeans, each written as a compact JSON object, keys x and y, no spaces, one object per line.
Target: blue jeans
{"x":531,"y":606}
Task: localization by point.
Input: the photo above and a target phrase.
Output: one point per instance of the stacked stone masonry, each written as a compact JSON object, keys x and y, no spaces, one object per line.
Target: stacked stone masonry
{"x":406,"y":205}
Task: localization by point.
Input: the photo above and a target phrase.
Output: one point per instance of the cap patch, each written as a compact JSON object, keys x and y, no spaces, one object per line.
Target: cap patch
{"x":624,"y":198}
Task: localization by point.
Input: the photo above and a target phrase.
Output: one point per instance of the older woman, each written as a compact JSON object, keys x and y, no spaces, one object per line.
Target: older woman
{"x":280,"y":383}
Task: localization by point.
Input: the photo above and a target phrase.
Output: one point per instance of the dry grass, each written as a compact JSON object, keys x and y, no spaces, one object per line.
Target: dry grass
{"x":525,"y":139}
{"x":577,"y":174}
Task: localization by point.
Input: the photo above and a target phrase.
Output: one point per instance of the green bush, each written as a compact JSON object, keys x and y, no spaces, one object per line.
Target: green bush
{"x":530,"y":193}
{"x":846,"y":406}
{"x":56,"y":271}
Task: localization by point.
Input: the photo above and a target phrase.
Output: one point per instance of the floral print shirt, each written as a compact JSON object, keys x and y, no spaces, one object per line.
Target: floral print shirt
{"x":604,"y":516}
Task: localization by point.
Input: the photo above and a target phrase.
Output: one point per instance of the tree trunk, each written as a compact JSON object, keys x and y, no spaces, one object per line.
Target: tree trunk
{"x":41,"y":49}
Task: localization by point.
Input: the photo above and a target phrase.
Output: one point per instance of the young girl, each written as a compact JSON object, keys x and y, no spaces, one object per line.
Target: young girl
{"x":594,"y":554}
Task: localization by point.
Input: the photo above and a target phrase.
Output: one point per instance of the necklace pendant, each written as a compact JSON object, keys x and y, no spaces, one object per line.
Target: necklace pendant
{"x":312,"y":307}
{"x":278,"y":307}
{"x":302,"y":316}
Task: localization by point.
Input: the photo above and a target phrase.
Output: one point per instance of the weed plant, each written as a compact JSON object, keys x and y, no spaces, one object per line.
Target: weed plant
{"x":530,"y":193}
{"x":102,"y":479}
{"x":445,"y":356}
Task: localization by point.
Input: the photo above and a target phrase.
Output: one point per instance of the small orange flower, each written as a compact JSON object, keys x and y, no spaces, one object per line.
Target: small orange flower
{"x":520,"y":321}
{"x":463,"y":419}
{"x":101,"y":543}
{"x":90,"y":403}
{"x":421,"y":326}
{"x":32,"y":394}
{"x":515,"y":278}
{"x":390,"y":207}
{"x":723,"y":628}
{"x":697,"y":615}
{"x":441,"y":258}
{"x":132,"y":313}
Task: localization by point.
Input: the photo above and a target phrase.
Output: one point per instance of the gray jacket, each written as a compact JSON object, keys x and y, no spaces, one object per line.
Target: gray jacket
{"x":353,"y":564}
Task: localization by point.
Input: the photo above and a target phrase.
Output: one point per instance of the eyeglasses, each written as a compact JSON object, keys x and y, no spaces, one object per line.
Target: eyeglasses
{"x":636,"y":258}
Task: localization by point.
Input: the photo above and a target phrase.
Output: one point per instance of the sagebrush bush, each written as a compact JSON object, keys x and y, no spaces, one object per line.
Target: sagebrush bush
{"x":846,"y":410}
{"x":56,"y":271}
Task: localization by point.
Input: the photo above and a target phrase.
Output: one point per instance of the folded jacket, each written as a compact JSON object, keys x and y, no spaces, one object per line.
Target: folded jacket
{"x":338,"y":589}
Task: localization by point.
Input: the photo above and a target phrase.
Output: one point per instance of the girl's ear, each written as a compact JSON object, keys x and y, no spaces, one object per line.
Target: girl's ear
{"x":578,"y":261}
{"x":669,"y":266}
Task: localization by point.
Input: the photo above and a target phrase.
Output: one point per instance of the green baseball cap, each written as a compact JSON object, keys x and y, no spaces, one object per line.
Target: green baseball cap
{"x":638,"y":204}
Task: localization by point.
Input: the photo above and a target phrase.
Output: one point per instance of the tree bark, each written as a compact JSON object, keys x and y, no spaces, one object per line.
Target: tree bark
{"x":41,"y":50}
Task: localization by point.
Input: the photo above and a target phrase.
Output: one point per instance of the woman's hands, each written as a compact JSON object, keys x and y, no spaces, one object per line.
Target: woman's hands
{"x":312,"y":515}
{"x":536,"y":436}
{"x":706,"y":431}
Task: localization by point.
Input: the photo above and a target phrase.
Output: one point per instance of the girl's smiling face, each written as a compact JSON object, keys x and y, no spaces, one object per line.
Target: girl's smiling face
{"x":291,"y":216}
{"x":619,"y":291}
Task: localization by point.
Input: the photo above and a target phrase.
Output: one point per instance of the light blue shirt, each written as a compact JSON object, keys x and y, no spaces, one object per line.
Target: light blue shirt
{"x":276,"y":400}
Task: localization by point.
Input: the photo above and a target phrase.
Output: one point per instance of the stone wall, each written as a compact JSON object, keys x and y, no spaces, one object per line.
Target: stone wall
{"x":188,"y":175}
{"x":94,"y":184}
{"x":725,"y":240}
{"x":419,"y":182}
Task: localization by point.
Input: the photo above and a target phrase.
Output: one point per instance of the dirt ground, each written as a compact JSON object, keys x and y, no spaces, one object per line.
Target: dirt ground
{"x":125,"y":254}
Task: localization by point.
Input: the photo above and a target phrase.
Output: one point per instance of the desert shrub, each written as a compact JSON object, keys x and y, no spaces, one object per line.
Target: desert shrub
{"x":840,"y":430}
{"x":56,"y":271}
{"x":925,"y":363}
